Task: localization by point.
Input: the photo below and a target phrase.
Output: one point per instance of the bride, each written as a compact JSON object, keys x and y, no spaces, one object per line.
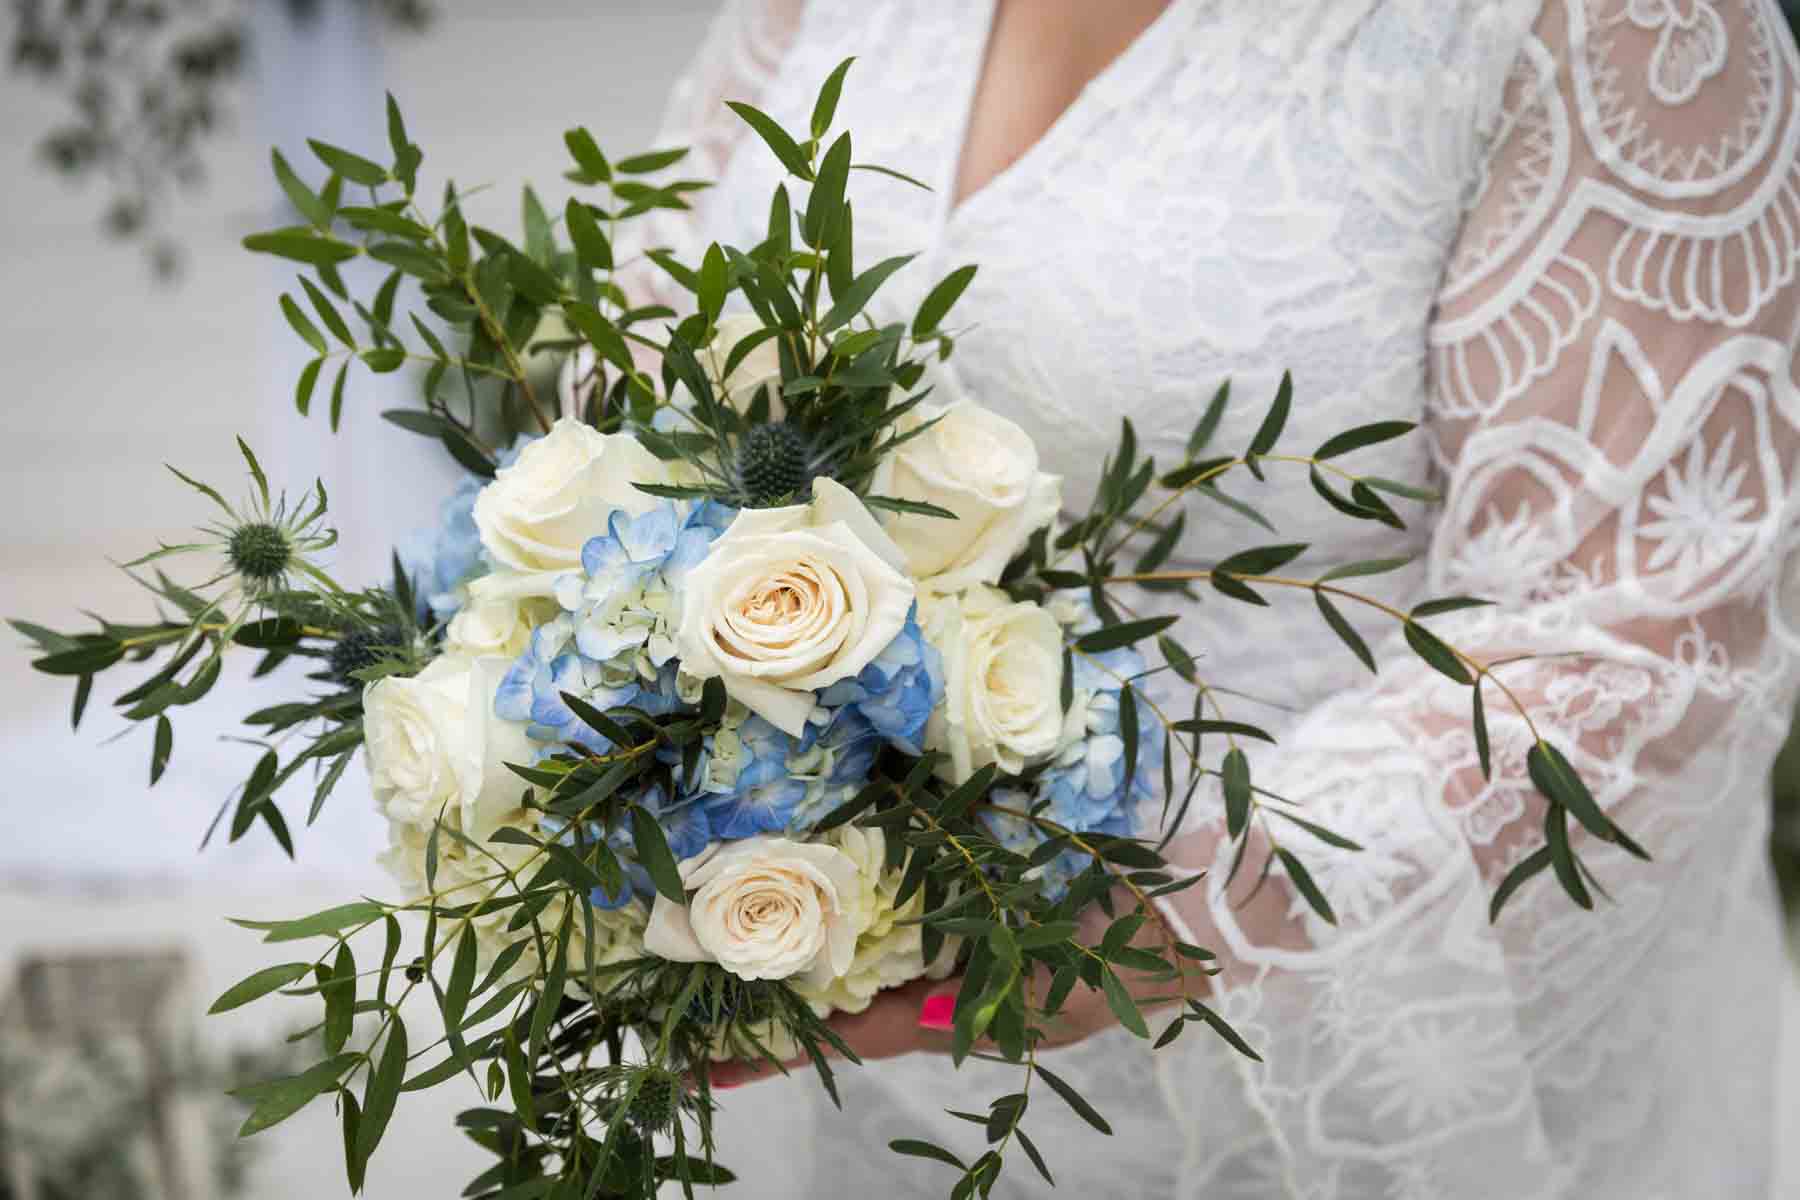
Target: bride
{"x":1563,"y":235}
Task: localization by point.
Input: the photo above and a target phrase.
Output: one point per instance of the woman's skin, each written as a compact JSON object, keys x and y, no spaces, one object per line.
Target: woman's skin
{"x":1040,"y":55}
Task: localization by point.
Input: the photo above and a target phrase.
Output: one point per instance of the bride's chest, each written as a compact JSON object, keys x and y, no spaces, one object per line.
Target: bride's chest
{"x":1249,"y":188}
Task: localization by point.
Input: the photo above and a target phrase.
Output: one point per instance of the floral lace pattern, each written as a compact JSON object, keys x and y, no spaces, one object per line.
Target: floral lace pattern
{"x":1562,"y":233}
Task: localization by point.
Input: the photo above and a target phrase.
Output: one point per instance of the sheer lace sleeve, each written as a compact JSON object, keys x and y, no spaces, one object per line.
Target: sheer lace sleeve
{"x":1616,"y":421}
{"x":744,"y":48}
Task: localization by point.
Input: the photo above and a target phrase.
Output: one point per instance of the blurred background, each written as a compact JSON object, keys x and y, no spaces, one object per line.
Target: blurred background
{"x":135,"y":148}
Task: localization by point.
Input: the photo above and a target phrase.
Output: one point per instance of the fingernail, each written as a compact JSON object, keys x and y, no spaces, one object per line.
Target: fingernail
{"x":938,"y":1012}
{"x":725,"y":1085}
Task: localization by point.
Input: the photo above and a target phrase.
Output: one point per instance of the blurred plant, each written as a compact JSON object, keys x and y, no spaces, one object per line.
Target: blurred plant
{"x":147,"y":82}
{"x":92,"y":1126}
{"x":1784,"y":833}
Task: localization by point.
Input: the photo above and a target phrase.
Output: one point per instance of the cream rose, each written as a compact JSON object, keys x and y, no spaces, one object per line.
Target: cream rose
{"x":981,"y":467}
{"x":491,"y":627}
{"x":791,"y":600}
{"x":538,"y":513}
{"x":1003,"y":668}
{"x":763,"y":908}
{"x":435,"y":746}
{"x":888,"y":953}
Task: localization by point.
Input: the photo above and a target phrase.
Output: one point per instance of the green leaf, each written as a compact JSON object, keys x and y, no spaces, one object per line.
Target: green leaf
{"x":861,"y":291}
{"x":826,"y":203}
{"x":1345,"y":631}
{"x":1479,"y":721}
{"x":1112,"y":637}
{"x":587,"y":156}
{"x":462,"y":979}
{"x":354,"y":1167}
{"x":337,"y":395}
{"x":1532,"y":865}
{"x":159,"y":753}
{"x":1371,"y":566}
{"x":1363,"y":435}
{"x":914,"y":1148}
{"x":1432,"y":608}
{"x":1552,"y":775}
{"x":305,"y":328}
{"x":1208,"y":424}
{"x":1303,"y":882}
{"x":301,"y":247}
{"x":383,"y":360}
{"x":328,"y":313}
{"x":1235,"y":774}
{"x":1261,"y":560}
{"x":654,"y":854}
{"x":1428,"y":646}
{"x":1232,"y":727}
{"x":1073,"y":1099}
{"x":654,"y":160}
{"x":539,"y":245}
{"x":600,"y":333}
{"x":309,"y":379}
{"x":278,"y":1099}
{"x":255,"y":987}
{"x":353,"y":167}
{"x":1223,"y":1029}
{"x":303,"y":198}
{"x":825,"y":107}
{"x":329,"y":921}
{"x":1276,"y":419}
{"x":382,"y":1089}
{"x":714,"y":279}
{"x":1393,"y":487}
{"x":340,"y":999}
{"x":775,"y":137}
{"x":1562,"y":858}
{"x":84,"y":661}
{"x":590,"y":241}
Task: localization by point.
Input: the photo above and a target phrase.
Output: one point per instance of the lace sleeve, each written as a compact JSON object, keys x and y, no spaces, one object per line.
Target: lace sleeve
{"x":1616,"y":420}
{"x":743,"y":50}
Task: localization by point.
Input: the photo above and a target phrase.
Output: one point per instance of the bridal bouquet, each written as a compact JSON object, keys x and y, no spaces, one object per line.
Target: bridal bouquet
{"x":742,"y":680}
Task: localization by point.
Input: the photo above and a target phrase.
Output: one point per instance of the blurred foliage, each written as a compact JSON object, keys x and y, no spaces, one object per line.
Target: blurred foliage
{"x":146,"y":83}
{"x":1784,"y":835}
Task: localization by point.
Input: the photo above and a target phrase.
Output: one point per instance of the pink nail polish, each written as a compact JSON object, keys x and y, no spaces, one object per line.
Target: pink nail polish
{"x":938,"y":1012}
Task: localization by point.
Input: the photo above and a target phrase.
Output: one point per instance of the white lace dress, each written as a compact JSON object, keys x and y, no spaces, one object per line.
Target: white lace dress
{"x":1563,"y":234}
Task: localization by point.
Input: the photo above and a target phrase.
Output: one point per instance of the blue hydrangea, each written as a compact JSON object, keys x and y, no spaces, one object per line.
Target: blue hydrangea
{"x":897,"y":691}
{"x":1085,"y":786}
{"x":440,"y":558}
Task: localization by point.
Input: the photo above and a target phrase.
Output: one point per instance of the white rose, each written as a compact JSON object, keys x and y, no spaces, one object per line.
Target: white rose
{"x":981,"y":467}
{"x":538,"y":513}
{"x":888,"y":954}
{"x":492,"y":627}
{"x":759,"y":368}
{"x":762,"y":908}
{"x":435,"y":746}
{"x":1003,"y":666}
{"x":791,"y":600}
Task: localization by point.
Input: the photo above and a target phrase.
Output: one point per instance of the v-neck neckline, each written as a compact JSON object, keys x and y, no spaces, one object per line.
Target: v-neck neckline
{"x":951,"y":209}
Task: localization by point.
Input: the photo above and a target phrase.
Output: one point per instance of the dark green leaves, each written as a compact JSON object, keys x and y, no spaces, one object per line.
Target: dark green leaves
{"x":260,"y":984}
{"x":653,"y":852}
{"x":826,"y":203}
{"x":1073,"y":1099}
{"x":1235,"y":774}
{"x":1428,"y":646}
{"x":940,"y":300}
{"x":1516,"y":878}
{"x":861,"y":290}
{"x":825,"y":107}
{"x":591,"y":245}
{"x":1112,"y":637}
{"x":586,"y":152}
{"x":1363,"y":435}
{"x":159,"y":753}
{"x":776,"y":138}
{"x":1303,"y":883}
{"x":353,"y":167}
{"x":303,"y":198}
{"x":279,"y":1099}
{"x":381,"y":1090}
{"x":1276,"y":419}
{"x":1552,"y":775}
{"x":301,"y":247}
{"x":1345,"y":631}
